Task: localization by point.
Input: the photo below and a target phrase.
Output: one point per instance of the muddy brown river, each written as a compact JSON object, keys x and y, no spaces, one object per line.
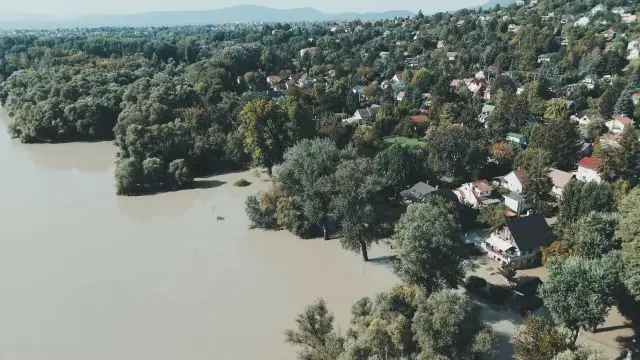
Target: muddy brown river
{"x":85,"y":274}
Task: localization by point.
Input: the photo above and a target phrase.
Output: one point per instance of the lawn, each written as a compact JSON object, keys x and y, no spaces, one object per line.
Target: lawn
{"x":406,"y":142}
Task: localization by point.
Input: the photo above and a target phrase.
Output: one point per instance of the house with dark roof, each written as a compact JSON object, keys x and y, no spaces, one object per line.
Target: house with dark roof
{"x":519,"y":241}
{"x":421,"y":191}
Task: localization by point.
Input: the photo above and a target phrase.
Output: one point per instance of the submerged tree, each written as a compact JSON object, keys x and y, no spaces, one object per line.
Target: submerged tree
{"x":578,"y":294}
{"x":429,"y":251}
{"x":315,"y":334}
{"x":354,"y":204}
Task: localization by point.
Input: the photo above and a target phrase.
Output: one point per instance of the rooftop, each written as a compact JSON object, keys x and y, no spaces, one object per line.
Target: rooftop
{"x":530,"y":232}
{"x":590,"y":163}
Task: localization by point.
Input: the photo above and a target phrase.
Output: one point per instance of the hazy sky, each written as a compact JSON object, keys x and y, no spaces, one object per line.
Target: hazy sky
{"x":74,"y":7}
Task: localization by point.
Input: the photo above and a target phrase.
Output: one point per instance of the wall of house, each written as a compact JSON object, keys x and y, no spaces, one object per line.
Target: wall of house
{"x":588,"y":175}
{"x":512,"y":183}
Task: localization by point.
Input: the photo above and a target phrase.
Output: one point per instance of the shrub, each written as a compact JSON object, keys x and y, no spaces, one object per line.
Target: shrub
{"x":242,"y":183}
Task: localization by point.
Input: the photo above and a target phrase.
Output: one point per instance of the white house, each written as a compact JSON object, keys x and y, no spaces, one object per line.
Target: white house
{"x":363,"y":116}
{"x":583,"y":21}
{"x":514,"y":28}
{"x":516,"y":203}
{"x":629,"y":18}
{"x":486,"y":111}
{"x":475,"y":194}
{"x":544,"y":58}
{"x":598,"y":8}
{"x":582,"y":119}
{"x":634,"y":54}
{"x":515,"y":180}
{"x":519,"y":2}
{"x":560,"y":179}
{"x":440,"y":44}
{"x":520,"y":241}
{"x":588,"y":170}
{"x":591,"y":81}
{"x":619,"y":123}
{"x":451,"y":56}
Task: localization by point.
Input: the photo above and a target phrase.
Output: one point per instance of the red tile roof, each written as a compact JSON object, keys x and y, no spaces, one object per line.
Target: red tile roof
{"x":419,"y":118}
{"x":483,"y":186}
{"x":590,"y":163}
{"x":623,"y":119}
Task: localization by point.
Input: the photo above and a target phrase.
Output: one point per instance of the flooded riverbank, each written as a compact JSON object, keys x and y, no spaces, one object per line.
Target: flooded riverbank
{"x":89,"y":275}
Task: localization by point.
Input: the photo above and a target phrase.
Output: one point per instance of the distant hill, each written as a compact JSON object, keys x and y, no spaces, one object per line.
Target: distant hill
{"x":234,"y":14}
{"x":492,"y":3}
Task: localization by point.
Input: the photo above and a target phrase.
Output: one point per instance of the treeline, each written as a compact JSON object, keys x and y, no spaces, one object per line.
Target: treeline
{"x":173,"y":98}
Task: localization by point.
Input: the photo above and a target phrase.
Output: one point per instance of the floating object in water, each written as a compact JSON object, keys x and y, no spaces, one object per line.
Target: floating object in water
{"x":219,"y":218}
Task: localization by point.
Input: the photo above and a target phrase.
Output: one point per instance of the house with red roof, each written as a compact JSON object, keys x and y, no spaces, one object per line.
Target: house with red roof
{"x":419,"y":119}
{"x":476,"y":194}
{"x":619,"y":123}
{"x":589,"y":170}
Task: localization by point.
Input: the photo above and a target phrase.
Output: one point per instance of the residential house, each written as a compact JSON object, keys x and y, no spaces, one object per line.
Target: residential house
{"x":598,"y":8}
{"x":383,"y":54}
{"x":517,"y":203}
{"x":591,"y":81}
{"x":582,"y":119}
{"x":440,"y":44}
{"x":634,"y":54}
{"x":560,"y":179}
{"x":519,"y":2}
{"x":589,"y":170}
{"x":310,"y":51}
{"x":629,"y":18}
{"x":619,"y":10}
{"x":619,"y":123}
{"x":485,"y":112}
{"x":419,"y":119}
{"x":586,"y":149}
{"x":609,"y":140}
{"x":456,"y":82}
{"x":477,"y":86}
{"x":421,"y":191}
{"x":487,"y":93}
{"x":610,"y":34}
{"x":401,"y":96}
{"x":520,"y":241}
{"x":452,"y":56}
{"x":476,"y":194}
{"x":517,"y":138}
{"x":397,"y":78}
{"x":304,"y":81}
{"x":635,"y":97}
{"x":544,"y":58}
{"x":514,"y":180}
{"x":274,"y":80}
{"x":564,"y":42}
{"x":363,"y":116}
{"x":514,"y":28}
{"x":583,"y":21}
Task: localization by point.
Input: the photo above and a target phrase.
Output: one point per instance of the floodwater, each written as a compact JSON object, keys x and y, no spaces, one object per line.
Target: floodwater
{"x":85,"y":274}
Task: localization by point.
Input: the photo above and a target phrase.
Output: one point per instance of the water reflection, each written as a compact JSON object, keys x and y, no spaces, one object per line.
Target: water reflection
{"x":96,"y":157}
{"x":87,"y":157}
{"x":146,"y":209}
